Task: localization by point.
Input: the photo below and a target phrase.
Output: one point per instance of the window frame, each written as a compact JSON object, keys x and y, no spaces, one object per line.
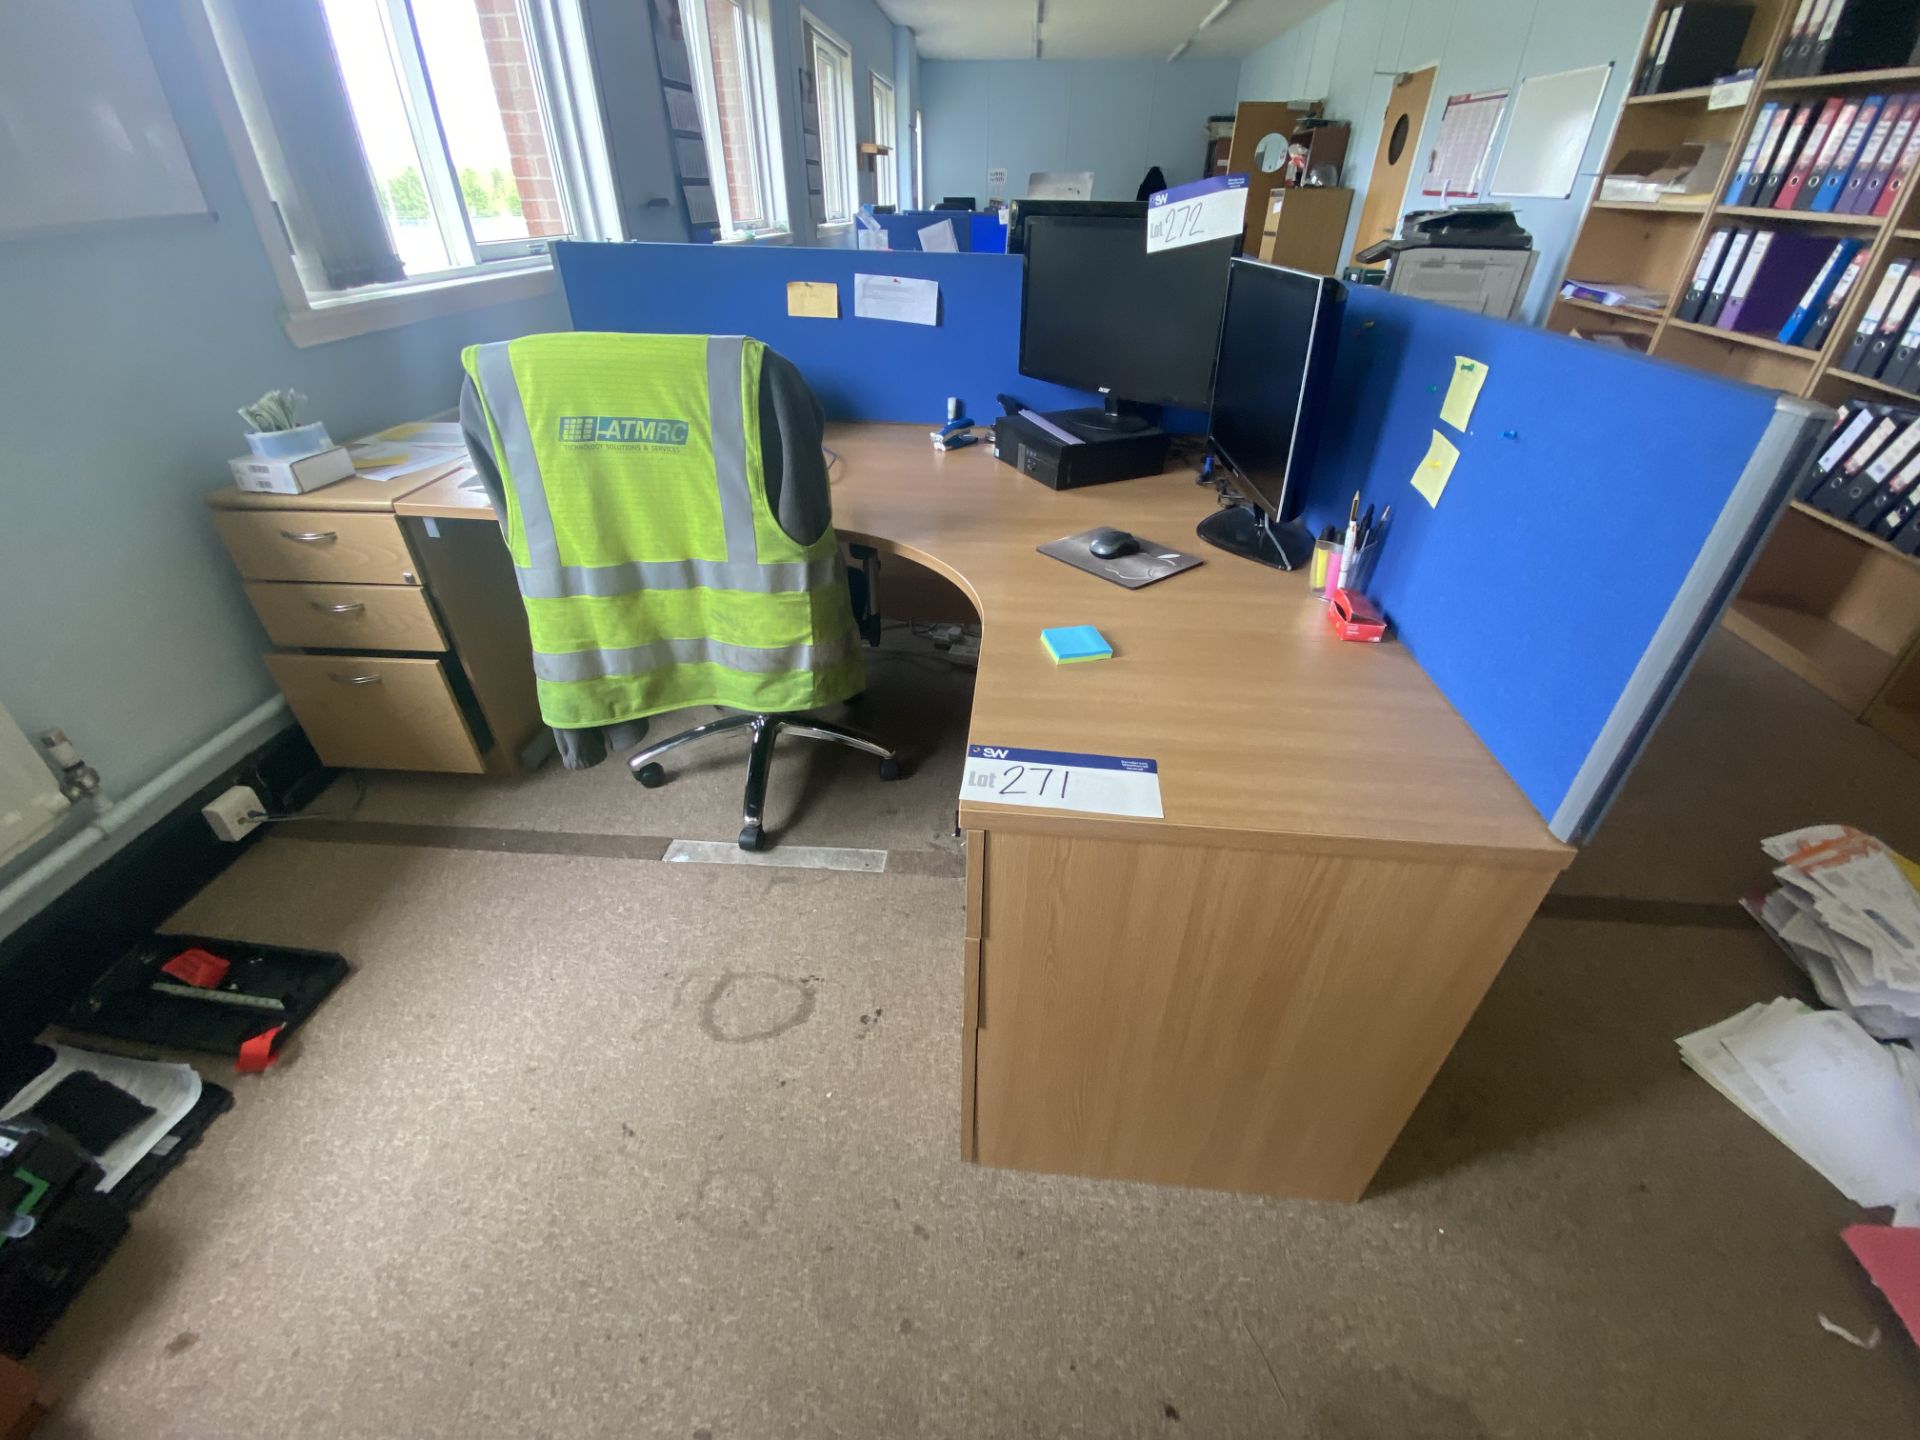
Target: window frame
{"x":815,"y":35}
{"x":502,"y":272}
{"x":756,"y":72}
{"x":886,"y":168}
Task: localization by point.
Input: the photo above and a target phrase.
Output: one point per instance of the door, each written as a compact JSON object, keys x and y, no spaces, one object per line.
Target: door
{"x":1393,"y":161}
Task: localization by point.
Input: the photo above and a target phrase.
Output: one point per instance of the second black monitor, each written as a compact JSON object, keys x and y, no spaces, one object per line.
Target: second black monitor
{"x":1102,"y":313}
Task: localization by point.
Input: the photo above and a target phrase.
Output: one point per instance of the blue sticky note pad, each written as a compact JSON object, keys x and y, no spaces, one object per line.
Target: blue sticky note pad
{"x":1075,"y":642}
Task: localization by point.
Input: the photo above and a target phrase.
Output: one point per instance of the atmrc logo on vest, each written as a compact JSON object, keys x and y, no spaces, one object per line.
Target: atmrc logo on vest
{"x":620,"y":430}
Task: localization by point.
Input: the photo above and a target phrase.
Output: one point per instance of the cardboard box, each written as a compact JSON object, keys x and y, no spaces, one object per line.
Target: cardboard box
{"x":291,"y":477}
{"x":1304,"y":226}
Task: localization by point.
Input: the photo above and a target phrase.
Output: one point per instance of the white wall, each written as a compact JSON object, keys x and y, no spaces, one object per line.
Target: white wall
{"x":125,"y":352}
{"x":1348,"y":53}
{"x":1113,"y":117}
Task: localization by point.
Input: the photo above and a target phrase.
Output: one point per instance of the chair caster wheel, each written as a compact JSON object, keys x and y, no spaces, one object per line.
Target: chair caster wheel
{"x":890,"y":769}
{"x":651,"y":776}
{"x":752,"y":837}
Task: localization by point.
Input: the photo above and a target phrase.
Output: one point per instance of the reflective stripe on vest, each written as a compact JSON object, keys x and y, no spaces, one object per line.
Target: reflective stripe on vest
{"x":700,"y":650}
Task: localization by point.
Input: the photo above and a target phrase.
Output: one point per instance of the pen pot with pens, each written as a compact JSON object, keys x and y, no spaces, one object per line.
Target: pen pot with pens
{"x":1342,"y":568}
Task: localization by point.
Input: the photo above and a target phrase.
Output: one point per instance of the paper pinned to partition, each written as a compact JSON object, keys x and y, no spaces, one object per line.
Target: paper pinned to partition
{"x":1463,"y":392}
{"x":813,"y":299}
{"x":896,"y":297}
{"x":1435,"y":468}
{"x":938,"y":238}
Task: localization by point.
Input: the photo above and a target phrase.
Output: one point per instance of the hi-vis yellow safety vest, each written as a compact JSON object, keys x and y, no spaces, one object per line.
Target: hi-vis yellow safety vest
{"x":654,"y":572}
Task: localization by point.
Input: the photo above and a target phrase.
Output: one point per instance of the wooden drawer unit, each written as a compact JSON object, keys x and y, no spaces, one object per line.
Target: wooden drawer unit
{"x":377,"y":712}
{"x":346,"y":617}
{"x":365,"y":549}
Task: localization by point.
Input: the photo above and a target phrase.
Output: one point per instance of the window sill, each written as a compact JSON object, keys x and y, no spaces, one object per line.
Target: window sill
{"x":327,"y":320}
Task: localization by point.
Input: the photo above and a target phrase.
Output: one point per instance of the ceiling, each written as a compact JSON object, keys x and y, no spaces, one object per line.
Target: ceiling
{"x":1091,"y":29}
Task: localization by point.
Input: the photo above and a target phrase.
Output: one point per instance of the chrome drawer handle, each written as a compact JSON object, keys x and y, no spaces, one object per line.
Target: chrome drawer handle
{"x":357,"y":679}
{"x":311,"y":537}
{"x":345,"y":609}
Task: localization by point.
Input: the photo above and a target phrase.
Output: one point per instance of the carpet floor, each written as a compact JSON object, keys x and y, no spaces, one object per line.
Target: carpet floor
{"x":594,"y":1145}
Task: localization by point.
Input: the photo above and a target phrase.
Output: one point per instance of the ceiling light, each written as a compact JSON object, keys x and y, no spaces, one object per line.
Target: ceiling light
{"x":1180,"y":49}
{"x":1215,"y":13}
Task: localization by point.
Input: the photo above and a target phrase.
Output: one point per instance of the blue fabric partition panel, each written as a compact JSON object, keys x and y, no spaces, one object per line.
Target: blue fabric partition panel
{"x":989,"y":233}
{"x":860,"y":369}
{"x":903,"y":227}
{"x":1600,"y":514}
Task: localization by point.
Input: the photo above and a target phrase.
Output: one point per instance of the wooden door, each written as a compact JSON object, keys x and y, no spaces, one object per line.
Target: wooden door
{"x":1393,"y":161}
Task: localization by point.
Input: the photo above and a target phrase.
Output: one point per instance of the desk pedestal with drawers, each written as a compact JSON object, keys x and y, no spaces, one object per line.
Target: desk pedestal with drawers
{"x":400,"y":643}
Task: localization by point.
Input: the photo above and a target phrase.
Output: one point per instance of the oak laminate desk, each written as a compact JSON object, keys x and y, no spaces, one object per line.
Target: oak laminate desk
{"x":1253,"y":992}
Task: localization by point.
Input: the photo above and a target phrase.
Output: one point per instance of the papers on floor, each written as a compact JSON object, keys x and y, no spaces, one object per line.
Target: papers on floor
{"x":169,"y":1091}
{"x":1825,"y":1089}
{"x":1846,"y":912}
{"x":895,"y":297}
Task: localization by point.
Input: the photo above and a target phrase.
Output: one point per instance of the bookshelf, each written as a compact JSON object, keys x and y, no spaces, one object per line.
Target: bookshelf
{"x":1834,"y":605}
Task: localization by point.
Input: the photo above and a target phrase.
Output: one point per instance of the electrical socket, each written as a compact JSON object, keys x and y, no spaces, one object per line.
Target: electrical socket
{"x":235,"y":813}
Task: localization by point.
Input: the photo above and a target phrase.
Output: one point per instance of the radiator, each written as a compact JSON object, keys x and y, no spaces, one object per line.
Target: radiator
{"x":30,"y":800}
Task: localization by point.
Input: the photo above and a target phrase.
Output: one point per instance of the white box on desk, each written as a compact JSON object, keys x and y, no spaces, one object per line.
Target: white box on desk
{"x":291,"y":477}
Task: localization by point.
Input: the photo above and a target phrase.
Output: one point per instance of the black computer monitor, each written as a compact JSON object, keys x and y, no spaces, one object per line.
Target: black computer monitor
{"x":1022,"y":210}
{"x":1277,"y":341}
{"x":1101,"y":313}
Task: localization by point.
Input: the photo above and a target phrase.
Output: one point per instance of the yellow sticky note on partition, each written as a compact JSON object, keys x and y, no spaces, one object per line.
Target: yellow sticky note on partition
{"x":1463,"y":391}
{"x":1431,"y":477}
{"x":815,"y":299}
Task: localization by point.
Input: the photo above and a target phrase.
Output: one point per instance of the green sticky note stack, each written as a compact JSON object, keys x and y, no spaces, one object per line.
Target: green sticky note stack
{"x":1067,"y":643}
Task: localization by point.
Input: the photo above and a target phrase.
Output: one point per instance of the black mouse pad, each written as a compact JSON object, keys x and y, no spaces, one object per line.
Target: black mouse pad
{"x":1149,"y":563}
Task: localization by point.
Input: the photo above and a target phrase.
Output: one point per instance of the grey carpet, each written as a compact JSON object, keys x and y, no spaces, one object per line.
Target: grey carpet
{"x":596,"y":1146}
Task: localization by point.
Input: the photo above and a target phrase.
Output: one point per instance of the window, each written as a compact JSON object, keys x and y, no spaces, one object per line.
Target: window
{"x":410,"y":143}
{"x":919,"y":164}
{"x":731,"y":49}
{"x":832,"y":69}
{"x":886,"y":169}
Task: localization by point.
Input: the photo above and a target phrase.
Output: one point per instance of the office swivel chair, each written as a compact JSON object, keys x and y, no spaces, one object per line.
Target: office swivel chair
{"x":687,"y":559}
{"x":762,"y":730}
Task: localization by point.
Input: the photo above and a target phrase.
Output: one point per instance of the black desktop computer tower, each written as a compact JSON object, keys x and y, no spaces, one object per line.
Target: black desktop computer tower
{"x":1092,"y":457}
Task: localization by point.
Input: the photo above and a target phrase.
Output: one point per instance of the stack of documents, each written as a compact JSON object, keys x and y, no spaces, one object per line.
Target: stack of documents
{"x":1846,"y":912}
{"x":1844,"y":1103}
{"x":407,"y":449}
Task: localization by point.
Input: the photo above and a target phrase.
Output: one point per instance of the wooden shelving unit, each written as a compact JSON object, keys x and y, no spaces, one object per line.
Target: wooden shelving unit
{"x":1836,"y":606}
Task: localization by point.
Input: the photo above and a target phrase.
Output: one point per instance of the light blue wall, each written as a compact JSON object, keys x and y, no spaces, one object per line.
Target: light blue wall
{"x":1113,"y":117}
{"x":1348,"y":53}
{"x":125,"y":353}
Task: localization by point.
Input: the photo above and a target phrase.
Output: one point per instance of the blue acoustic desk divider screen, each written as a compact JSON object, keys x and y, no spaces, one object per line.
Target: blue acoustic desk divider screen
{"x":860,"y":369}
{"x":903,"y":227}
{"x":1600,"y":516}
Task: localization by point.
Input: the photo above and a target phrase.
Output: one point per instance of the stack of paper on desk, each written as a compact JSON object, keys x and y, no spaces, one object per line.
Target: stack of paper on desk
{"x":1844,"y":1103}
{"x":1847,"y":913}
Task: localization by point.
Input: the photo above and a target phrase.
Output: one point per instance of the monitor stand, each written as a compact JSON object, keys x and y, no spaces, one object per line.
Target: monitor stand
{"x":1114,"y":417}
{"x":1244,"y":531}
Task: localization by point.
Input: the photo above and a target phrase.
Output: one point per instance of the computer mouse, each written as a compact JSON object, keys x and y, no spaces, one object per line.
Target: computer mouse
{"x":1111,"y":544}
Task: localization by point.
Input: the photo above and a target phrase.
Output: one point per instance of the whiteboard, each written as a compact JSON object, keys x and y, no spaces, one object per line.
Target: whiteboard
{"x":85,"y":132}
{"x":1547,"y":132}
